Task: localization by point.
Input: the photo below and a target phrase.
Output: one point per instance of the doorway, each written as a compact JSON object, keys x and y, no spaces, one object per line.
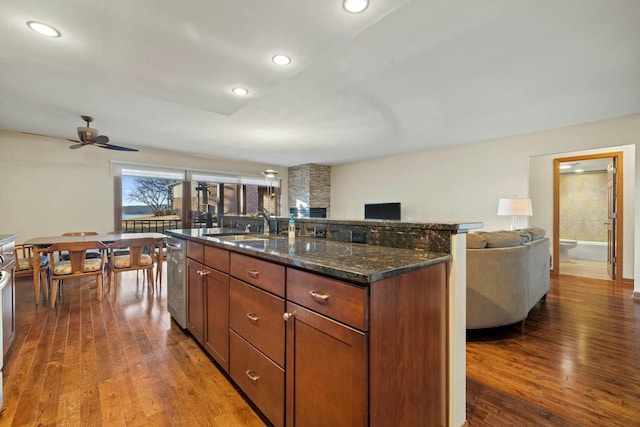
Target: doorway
{"x":588,"y":218}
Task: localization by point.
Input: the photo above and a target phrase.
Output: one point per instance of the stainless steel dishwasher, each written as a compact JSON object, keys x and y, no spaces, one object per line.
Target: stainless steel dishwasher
{"x":177,"y":280}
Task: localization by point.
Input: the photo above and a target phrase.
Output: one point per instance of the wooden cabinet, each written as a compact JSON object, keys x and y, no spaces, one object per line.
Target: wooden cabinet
{"x":258,"y":333}
{"x":208,"y":299}
{"x":310,"y":350}
{"x":216,"y":333}
{"x":326,"y":371}
{"x":195,"y":297}
{"x":263,"y":274}
{"x":408,"y":349}
{"x":374,"y":355}
{"x":256,"y":315}
{"x":259,"y":377}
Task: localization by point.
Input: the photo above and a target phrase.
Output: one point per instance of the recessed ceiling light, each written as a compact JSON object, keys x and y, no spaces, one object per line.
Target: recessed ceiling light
{"x":569,"y":165}
{"x":355,"y":6}
{"x":579,"y":170}
{"x":44,"y":29}
{"x":281,"y":60}
{"x":240,"y":91}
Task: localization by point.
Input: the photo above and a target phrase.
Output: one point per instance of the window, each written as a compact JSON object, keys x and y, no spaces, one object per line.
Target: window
{"x":150,"y":198}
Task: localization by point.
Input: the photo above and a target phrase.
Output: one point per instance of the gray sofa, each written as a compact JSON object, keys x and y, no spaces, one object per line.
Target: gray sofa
{"x":507,"y":275}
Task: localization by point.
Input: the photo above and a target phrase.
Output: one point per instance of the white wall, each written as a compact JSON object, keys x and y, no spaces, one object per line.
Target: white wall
{"x":48,"y":189}
{"x":542,"y":192}
{"x":464,"y":183}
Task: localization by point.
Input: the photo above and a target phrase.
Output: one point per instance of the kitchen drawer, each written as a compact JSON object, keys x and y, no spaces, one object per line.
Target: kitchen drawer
{"x":257,"y":316}
{"x":258,"y":377}
{"x":338,"y":300}
{"x":216,"y":258}
{"x":263,"y":274}
{"x":195,"y":251}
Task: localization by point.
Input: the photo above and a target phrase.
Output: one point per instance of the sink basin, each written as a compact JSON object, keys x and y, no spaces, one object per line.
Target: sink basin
{"x":246,"y":237}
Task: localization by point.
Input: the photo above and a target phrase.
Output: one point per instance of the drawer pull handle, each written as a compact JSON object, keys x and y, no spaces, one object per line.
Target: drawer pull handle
{"x":253,"y":273}
{"x":319,"y":296}
{"x":253,"y":317}
{"x":203,"y":272}
{"x":287,"y":316}
{"x":252,"y":375}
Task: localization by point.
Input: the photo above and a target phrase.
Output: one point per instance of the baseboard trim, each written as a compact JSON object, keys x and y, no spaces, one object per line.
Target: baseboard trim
{"x":629,"y":282}
{"x":636,"y":296}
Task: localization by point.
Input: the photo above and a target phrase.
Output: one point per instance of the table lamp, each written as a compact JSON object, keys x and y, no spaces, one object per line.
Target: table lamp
{"x":515,"y":207}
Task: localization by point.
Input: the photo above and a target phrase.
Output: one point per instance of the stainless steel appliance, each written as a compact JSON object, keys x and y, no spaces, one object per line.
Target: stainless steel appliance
{"x":177,"y":280}
{"x":7,"y":300}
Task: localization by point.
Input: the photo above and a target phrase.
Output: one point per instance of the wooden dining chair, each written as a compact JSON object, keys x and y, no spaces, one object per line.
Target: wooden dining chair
{"x":141,"y":256}
{"x":78,"y":265}
{"x":91,"y":253}
{"x":25,"y":264}
{"x":160,"y":256}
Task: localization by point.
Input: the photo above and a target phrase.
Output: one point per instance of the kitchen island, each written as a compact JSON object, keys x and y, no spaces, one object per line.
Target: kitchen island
{"x":319,"y":330}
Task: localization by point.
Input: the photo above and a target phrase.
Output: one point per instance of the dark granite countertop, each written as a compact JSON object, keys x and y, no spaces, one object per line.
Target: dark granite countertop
{"x":354,"y":262}
{"x":454,"y":226}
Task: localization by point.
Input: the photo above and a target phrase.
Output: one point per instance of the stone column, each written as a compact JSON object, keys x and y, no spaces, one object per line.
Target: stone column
{"x":310,"y":185}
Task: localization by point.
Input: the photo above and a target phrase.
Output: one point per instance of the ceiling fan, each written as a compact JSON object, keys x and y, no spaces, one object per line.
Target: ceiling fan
{"x":90,"y":136}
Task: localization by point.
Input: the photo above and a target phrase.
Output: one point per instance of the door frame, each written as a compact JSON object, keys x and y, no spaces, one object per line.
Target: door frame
{"x":619,"y":208}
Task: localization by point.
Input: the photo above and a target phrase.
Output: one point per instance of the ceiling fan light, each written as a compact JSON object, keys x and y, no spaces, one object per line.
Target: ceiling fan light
{"x":86,"y":134}
{"x":44,"y":29}
{"x":355,"y":6}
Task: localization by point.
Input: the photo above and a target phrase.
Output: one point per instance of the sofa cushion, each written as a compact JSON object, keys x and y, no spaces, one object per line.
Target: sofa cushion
{"x":531,"y":233}
{"x":502,"y":239}
{"x":476,"y":241}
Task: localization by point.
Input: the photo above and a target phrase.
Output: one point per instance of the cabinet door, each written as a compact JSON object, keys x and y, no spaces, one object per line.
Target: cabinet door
{"x":217,"y":332}
{"x":195,"y":292}
{"x":326,"y":371}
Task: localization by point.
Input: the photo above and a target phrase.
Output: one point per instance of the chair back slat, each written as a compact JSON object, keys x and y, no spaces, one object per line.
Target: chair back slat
{"x":141,"y":256}
{"x":77,"y":254}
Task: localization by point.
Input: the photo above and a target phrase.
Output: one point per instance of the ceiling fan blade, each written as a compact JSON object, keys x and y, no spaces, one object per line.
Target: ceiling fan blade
{"x":114,"y":147}
{"x":75,"y":146}
{"x":40,"y":134}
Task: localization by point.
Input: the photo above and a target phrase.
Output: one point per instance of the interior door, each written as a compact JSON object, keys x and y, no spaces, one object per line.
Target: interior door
{"x":611,"y":222}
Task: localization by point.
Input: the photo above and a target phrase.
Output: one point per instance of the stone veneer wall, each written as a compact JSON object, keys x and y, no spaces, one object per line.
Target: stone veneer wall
{"x":583,"y":206}
{"x":311,"y":185}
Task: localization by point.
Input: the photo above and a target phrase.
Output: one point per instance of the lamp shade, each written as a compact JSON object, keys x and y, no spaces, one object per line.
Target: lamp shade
{"x":515,"y":207}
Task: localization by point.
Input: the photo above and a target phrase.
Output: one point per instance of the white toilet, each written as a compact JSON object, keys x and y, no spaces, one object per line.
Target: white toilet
{"x":565,"y":245}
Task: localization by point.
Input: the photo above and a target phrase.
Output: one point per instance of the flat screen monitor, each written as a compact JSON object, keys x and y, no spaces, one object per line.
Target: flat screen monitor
{"x":382,"y":211}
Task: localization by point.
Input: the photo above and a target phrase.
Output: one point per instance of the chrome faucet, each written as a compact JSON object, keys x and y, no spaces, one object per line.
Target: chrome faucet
{"x":266,"y":217}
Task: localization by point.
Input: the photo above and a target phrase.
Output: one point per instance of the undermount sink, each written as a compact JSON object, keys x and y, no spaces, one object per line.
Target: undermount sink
{"x":246,"y":237}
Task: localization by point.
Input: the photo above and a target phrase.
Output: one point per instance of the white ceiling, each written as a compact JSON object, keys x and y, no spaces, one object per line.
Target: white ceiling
{"x":405,"y":75}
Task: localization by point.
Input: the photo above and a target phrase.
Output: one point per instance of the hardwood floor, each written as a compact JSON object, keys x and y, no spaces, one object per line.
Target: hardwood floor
{"x":123,"y":362}
{"x":115,"y":362}
{"x":576,"y":364}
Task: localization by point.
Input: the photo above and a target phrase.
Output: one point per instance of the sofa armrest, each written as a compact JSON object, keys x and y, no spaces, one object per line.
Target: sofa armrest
{"x":538,"y":277}
{"x":496,"y":286}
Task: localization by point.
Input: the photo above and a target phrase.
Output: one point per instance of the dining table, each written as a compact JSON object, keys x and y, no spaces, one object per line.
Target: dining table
{"x":40,"y":244}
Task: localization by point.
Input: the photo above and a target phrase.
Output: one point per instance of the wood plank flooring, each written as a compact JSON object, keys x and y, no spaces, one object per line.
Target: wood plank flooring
{"x":124,"y":362}
{"x":115,"y":362}
{"x":576,"y":364}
